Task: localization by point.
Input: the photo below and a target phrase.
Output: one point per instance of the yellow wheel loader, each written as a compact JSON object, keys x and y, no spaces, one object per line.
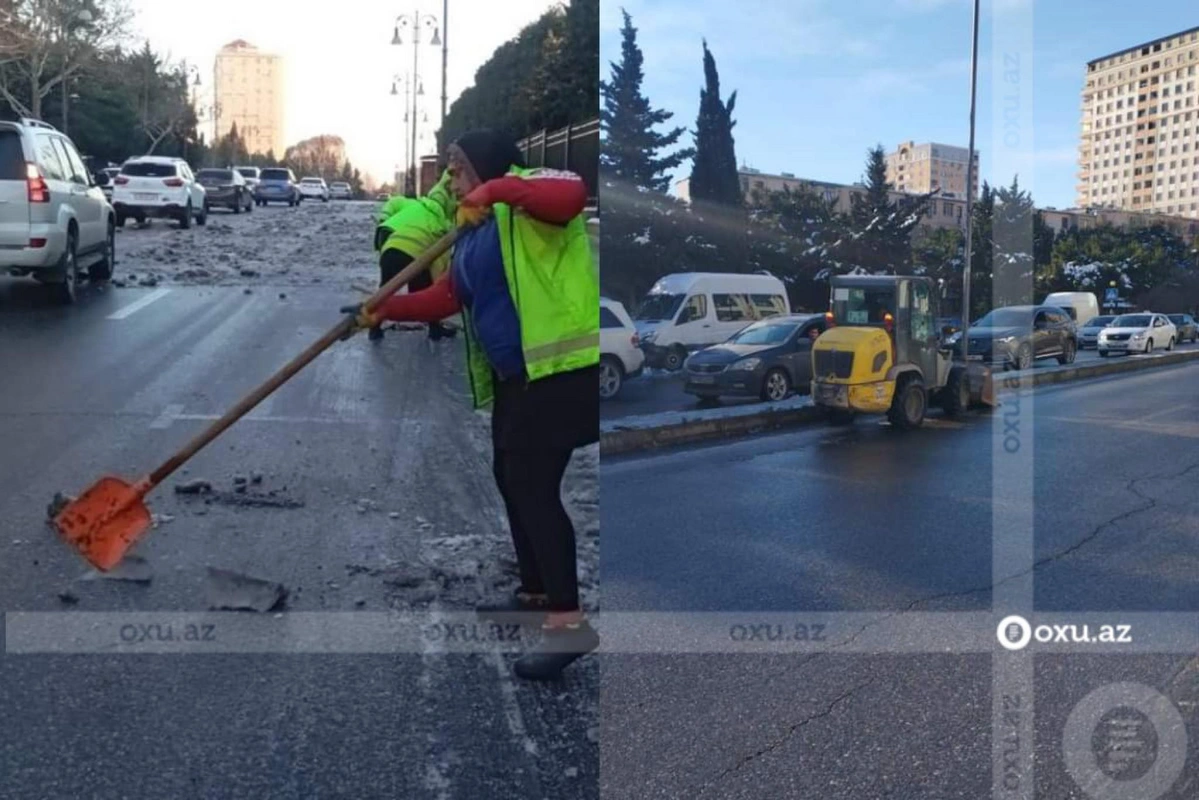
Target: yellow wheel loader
{"x":882,"y":354}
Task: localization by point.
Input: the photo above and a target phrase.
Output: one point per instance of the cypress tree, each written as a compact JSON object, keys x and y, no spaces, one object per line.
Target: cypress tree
{"x":714,"y":177}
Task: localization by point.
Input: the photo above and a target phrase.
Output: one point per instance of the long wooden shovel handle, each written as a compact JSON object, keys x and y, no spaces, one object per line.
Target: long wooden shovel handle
{"x":247,"y":403}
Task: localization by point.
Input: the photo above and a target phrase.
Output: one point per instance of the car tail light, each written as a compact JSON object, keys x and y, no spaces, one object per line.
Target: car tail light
{"x":39,"y":192}
{"x":37,"y":242}
{"x":636,"y":340}
{"x":120,"y":180}
{"x":174,"y":182}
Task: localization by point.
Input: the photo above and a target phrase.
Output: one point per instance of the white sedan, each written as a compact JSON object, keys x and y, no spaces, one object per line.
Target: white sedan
{"x":315,"y":188}
{"x":1137,"y":333}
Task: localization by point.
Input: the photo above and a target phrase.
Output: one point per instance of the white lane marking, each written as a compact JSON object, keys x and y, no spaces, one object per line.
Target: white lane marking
{"x":138,"y":305}
{"x":168,"y":415}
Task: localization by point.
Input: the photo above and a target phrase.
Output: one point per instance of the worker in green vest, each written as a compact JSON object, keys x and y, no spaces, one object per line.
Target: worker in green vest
{"x":524,"y":277}
{"x":414,"y":225}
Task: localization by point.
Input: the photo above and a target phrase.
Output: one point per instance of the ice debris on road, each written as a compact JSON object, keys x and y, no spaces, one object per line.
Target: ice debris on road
{"x":665,"y":418}
{"x":233,"y":591}
{"x":132,"y":569}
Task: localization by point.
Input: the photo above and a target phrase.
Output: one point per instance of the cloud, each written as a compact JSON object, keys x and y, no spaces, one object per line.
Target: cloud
{"x":913,"y":80}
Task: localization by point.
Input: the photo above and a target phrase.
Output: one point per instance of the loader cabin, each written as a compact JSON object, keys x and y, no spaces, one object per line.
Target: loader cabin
{"x":893,"y":303}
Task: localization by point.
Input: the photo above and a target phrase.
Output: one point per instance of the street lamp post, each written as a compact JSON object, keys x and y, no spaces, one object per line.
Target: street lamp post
{"x":192,"y":76}
{"x":445,"y":51}
{"x":82,"y":18}
{"x":415,"y":21}
{"x":406,"y":80}
{"x":970,"y":193}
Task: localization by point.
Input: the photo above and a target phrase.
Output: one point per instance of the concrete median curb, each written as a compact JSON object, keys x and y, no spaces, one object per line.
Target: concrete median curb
{"x":697,"y":426}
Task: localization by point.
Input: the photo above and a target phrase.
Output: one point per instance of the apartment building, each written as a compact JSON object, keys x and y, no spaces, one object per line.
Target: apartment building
{"x":944,"y":212}
{"x":1139,"y":149}
{"x":931,"y":167}
{"x":249,"y":92}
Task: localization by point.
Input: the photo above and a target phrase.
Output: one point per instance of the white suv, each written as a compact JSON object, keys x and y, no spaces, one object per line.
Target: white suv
{"x":159,"y":186}
{"x":621,"y":356}
{"x":314,"y":187}
{"x":54,"y":219}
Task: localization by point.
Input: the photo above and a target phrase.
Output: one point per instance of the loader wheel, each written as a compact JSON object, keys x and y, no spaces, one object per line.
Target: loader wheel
{"x":910,"y":403}
{"x":955,"y":397}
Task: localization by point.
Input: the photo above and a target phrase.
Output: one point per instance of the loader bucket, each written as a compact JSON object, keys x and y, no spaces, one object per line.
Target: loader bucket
{"x":982,"y":385}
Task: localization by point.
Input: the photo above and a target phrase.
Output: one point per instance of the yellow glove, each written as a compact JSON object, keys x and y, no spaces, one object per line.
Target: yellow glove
{"x":470,"y":216}
{"x":363,"y":319}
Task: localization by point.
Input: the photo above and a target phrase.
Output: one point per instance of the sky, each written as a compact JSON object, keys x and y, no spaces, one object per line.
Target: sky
{"x":820,"y":82}
{"x":339,"y":60}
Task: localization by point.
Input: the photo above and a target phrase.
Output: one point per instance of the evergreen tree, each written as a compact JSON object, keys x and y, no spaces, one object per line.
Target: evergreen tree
{"x":1014,"y":267}
{"x":982,"y":251}
{"x":631,"y":146}
{"x":714,"y":175}
{"x":881,"y":229}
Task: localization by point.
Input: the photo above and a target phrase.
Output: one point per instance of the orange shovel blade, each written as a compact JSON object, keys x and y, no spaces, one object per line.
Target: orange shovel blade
{"x":105,"y":521}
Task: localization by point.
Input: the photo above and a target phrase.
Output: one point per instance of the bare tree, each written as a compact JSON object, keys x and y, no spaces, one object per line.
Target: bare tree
{"x":45,"y":42}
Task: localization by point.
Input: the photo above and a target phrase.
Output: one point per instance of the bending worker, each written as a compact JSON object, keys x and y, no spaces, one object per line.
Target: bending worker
{"x":412,"y":226}
{"x":525,"y":279}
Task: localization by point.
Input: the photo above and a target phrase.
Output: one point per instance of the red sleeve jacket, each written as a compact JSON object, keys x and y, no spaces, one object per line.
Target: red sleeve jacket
{"x":548,"y":195}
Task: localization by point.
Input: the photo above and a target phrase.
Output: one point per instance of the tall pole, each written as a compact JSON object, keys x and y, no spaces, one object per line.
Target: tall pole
{"x":970,"y":192}
{"x":416,"y":79}
{"x":445,"y":45}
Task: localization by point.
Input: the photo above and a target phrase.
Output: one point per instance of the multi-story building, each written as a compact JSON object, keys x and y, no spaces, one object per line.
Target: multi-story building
{"x":950,"y":212}
{"x":931,"y":167}
{"x":1139,"y":149}
{"x":249,"y":93}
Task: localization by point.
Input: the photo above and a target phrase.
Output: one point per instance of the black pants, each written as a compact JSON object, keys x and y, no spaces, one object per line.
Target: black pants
{"x":390,"y":264}
{"x":530,"y":481}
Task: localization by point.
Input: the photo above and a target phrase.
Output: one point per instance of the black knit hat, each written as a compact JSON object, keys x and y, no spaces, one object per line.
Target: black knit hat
{"x":491,"y":153}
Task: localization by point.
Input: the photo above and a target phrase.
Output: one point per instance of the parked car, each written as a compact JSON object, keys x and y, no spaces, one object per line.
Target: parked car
{"x":1088,"y":332}
{"x":277,"y":185}
{"x":685,"y":312}
{"x":315,"y":188}
{"x":1137,"y":333}
{"x":340,"y":190}
{"x":621,"y":357}
{"x":767,"y":359}
{"x":1017,"y":336}
{"x":1080,"y":306}
{"x":226,"y":188}
{"x":54,"y":220}
{"x":1187,"y":327}
{"x":159,"y":187}
{"x":252,"y":176}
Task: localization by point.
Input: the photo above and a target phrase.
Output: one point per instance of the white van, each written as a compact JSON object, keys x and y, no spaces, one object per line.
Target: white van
{"x":1081,"y":306}
{"x":688,"y":311}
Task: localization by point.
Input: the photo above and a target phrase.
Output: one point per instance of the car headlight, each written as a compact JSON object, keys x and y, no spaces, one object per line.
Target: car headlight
{"x":1006,"y":339}
{"x":954,"y":338}
{"x":747,"y":364}
{"x":1139,"y":335}
{"x":648,"y":338}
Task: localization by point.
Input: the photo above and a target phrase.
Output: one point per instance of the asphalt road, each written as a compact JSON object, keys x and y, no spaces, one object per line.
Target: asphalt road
{"x":867,"y":519}
{"x":114,"y":385}
{"x":661,"y":391}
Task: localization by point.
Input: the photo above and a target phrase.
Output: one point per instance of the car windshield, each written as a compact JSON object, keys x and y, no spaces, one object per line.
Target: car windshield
{"x":275,"y":175}
{"x":765,"y":333}
{"x":215,"y":174}
{"x":1132,"y":321}
{"x":1098,"y":322}
{"x":1006,"y":318}
{"x":148,"y":169}
{"x":1178,"y":319}
{"x":657,"y":307}
{"x":312,"y":180}
{"x":247,"y":173}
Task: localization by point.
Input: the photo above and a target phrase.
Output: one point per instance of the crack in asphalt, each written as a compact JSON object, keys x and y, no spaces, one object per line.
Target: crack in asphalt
{"x":1149,"y":504}
{"x":781,"y":740}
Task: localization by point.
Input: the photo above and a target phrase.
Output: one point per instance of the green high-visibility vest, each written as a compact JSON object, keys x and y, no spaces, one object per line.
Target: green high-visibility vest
{"x":554,"y":284}
{"x":422,"y":221}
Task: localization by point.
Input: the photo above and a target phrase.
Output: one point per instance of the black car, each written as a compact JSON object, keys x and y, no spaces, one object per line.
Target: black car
{"x":768,"y":359}
{"x":1017,"y":336}
{"x":227,"y":188}
{"x":1188,"y":329}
